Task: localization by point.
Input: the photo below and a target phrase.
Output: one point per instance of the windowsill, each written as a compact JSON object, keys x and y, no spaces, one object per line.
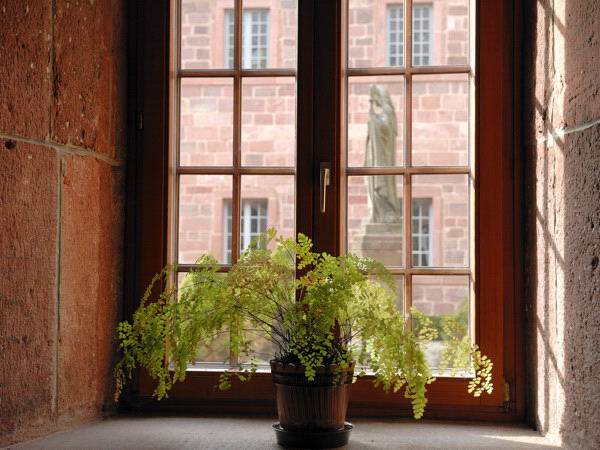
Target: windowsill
{"x":265,"y":369}
{"x":187,"y":432}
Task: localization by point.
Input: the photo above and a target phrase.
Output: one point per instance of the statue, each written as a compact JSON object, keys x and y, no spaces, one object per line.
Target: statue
{"x":381,"y":152}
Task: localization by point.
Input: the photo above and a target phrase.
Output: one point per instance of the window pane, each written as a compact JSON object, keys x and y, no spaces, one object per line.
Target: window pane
{"x":201,"y":225}
{"x":269,"y":34}
{"x":442,"y":298}
{"x":206,"y":122}
{"x":441,"y":33}
{"x":264,"y":349}
{"x":375,"y":34}
{"x":204,"y":30}
{"x":269,"y":202}
{"x":440,"y":128}
{"x":375,"y":217}
{"x":218,"y":349}
{"x":400,"y":292}
{"x":375,"y":121}
{"x":269,"y":121}
{"x":442,"y":234}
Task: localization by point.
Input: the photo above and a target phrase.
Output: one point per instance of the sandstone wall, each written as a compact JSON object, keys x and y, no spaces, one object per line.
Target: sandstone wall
{"x":62,"y":148}
{"x":562,"y":135}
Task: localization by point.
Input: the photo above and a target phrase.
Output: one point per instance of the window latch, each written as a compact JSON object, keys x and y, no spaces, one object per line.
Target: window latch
{"x":324,"y":181}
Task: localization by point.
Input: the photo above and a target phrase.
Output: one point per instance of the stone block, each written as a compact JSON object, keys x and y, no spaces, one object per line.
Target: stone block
{"x":91,"y":247}
{"x":579,"y":283}
{"x":581,"y":47}
{"x":89,"y":109}
{"x":25,"y":84}
{"x":28,"y":223}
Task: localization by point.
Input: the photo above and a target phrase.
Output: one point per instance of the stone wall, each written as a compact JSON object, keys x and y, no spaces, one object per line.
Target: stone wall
{"x":62,"y":138}
{"x":562,"y":134}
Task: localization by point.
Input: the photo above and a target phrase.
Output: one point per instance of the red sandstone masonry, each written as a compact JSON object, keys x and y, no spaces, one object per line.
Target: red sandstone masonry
{"x":63,"y":66}
{"x":90,"y":282}
{"x":25,"y":84}
{"x":89,"y":49}
{"x":28,"y":277}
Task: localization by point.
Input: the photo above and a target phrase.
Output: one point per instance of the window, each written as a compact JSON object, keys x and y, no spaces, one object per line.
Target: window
{"x":421,"y":232}
{"x":388,"y":132}
{"x":253,"y":223}
{"x":422,"y":26}
{"x":255,"y":37}
{"x":422,"y":31}
{"x":395,"y":32}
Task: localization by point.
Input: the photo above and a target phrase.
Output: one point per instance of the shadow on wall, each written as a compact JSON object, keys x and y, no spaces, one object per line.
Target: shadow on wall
{"x":562,"y":194}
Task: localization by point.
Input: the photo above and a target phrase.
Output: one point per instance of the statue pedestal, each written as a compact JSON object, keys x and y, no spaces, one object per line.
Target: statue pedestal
{"x":382,"y":241}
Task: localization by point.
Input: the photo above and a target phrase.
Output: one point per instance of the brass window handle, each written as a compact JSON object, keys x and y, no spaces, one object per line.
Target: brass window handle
{"x":324,"y":181}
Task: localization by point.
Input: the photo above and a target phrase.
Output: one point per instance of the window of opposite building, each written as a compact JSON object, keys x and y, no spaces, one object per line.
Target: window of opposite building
{"x":395,"y":34}
{"x":255,"y":36}
{"x":253,"y":223}
{"x":422,"y":29}
{"x":421,"y":232}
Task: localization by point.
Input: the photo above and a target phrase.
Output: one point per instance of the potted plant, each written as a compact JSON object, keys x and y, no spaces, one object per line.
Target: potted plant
{"x":325,"y":315}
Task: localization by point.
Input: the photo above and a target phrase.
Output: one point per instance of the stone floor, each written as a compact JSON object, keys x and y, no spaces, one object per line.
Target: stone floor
{"x":154,"y":433}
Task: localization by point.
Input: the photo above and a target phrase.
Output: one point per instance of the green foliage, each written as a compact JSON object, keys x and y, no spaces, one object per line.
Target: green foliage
{"x":437,"y":322}
{"x":316,"y":308}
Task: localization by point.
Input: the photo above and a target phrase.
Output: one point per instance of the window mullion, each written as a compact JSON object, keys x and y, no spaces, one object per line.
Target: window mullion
{"x":408,"y":158}
{"x":237,"y":134}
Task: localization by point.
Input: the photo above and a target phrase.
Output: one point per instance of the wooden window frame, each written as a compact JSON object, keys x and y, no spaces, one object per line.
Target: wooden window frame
{"x":498,"y":202}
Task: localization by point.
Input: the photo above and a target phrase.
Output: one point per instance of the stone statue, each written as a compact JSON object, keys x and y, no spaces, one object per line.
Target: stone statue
{"x":381,"y":152}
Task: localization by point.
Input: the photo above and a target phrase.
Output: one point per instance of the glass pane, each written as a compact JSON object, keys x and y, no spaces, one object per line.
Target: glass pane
{"x":268,"y":201}
{"x":375,"y":217}
{"x":440,"y":30}
{"x":202,"y":228}
{"x":400,"y":291}
{"x":440,"y":220}
{"x":440,"y":128}
{"x":206,"y":122}
{"x":269,"y":34}
{"x":444,"y":299}
{"x":269,"y":121}
{"x":205,"y":34}
{"x":264,"y":349}
{"x":375,"y":121}
{"x":375,"y":34}
{"x":218,"y":349}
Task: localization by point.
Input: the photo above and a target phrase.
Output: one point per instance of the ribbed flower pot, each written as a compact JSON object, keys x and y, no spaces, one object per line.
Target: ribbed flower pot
{"x":311,"y":413}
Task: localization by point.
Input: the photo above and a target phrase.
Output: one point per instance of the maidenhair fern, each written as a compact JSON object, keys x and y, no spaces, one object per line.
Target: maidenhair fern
{"x":315,"y":308}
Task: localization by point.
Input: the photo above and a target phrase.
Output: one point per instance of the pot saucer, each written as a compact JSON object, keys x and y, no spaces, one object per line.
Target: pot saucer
{"x":313,"y":439}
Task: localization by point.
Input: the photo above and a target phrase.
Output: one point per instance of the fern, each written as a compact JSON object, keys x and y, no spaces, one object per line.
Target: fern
{"x":316,"y":308}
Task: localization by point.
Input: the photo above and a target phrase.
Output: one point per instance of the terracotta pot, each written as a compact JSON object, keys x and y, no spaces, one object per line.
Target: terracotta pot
{"x":318,"y":405}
